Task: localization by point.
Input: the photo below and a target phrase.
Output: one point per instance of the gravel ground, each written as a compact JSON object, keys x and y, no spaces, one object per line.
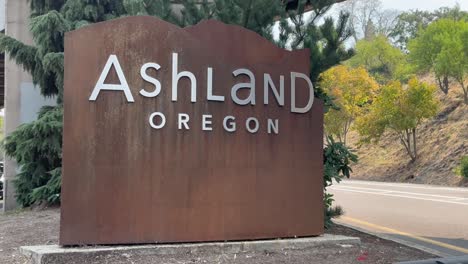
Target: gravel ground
{"x":36,"y":227}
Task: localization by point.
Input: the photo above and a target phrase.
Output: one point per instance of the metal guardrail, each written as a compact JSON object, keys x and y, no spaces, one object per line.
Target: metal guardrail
{"x":450,"y":260}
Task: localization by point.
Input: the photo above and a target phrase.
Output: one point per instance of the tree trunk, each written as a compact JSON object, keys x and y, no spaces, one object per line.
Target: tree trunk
{"x":405,"y":139}
{"x":345,"y":132}
{"x":340,"y":138}
{"x":408,"y":139}
{"x":415,"y":150}
{"x":443,"y":84}
{"x":465,"y":93}
{"x":446,"y":84}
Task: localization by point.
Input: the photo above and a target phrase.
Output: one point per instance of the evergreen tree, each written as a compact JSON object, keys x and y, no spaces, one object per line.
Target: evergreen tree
{"x":37,"y":145}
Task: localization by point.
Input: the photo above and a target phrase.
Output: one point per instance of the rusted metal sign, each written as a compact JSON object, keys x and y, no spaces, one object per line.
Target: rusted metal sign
{"x":204,"y":133}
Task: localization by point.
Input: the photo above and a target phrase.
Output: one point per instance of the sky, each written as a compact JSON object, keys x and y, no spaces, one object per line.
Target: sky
{"x":404,"y":5}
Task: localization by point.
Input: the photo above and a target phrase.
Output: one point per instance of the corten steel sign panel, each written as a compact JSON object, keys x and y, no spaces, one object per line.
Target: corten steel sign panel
{"x":128,"y":177}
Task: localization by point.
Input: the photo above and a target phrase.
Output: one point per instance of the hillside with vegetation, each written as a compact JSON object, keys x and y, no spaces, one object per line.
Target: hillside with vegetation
{"x":443,"y":140}
{"x":401,"y":102}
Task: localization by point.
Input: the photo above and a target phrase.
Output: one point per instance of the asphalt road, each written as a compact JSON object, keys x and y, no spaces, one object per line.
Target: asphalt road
{"x":427,"y":216}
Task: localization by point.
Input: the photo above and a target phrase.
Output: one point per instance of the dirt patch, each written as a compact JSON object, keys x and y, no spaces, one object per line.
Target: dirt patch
{"x":31,"y":227}
{"x":442,"y":141}
{"x":26,"y":228}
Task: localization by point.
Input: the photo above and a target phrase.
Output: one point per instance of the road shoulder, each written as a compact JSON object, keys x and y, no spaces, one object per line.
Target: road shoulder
{"x":395,"y":239}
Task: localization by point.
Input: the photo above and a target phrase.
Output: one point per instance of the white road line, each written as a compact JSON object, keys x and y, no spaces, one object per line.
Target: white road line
{"x":395,"y":195}
{"x":407,"y":185}
{"x":401,"y":192}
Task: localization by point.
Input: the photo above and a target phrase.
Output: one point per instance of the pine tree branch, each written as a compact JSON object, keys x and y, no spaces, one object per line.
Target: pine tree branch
{"x":53,"y":62}
{"x":23,"y":54}
{"x":49,"y":30}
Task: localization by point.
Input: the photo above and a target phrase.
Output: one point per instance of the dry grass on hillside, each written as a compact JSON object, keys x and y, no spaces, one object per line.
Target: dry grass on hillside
{"x":442,"y":141}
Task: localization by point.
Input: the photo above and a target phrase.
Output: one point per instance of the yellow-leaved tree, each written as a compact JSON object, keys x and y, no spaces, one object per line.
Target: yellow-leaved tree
{"x":399,"y":109}
{"x":352,"y":89}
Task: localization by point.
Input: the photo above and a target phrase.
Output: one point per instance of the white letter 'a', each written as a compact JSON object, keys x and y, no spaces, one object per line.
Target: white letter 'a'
{"x":250,"y":85}
{"x":123,"y":86}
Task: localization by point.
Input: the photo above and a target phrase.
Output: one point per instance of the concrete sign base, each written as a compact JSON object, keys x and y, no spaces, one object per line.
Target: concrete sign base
{"x":54,"y":254}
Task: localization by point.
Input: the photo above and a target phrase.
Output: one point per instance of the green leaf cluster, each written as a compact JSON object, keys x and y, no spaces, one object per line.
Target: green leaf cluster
{"x":443,"y":49}
{"x":400,"y":110}
{"x":383,"y":61}
{"x":353,"y":90}
{"x":462,"y":169}
{"x":337,"y":165}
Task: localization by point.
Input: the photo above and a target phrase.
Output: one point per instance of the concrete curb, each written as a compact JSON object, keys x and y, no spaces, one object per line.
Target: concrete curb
{"x":55,"y":254}
{"x":396,"y":240}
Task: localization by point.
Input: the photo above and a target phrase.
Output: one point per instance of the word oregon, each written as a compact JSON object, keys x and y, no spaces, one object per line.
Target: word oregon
{"x":157,"y":120}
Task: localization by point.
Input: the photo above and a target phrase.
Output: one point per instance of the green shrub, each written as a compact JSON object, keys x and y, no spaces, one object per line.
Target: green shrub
{"x":462,"y":169}
{"x":337,"y":160}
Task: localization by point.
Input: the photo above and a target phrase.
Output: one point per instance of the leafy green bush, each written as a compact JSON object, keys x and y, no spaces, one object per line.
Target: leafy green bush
{"x":330,"y":210}
{"x":462,"y":169}
{"x":337,"y":160}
